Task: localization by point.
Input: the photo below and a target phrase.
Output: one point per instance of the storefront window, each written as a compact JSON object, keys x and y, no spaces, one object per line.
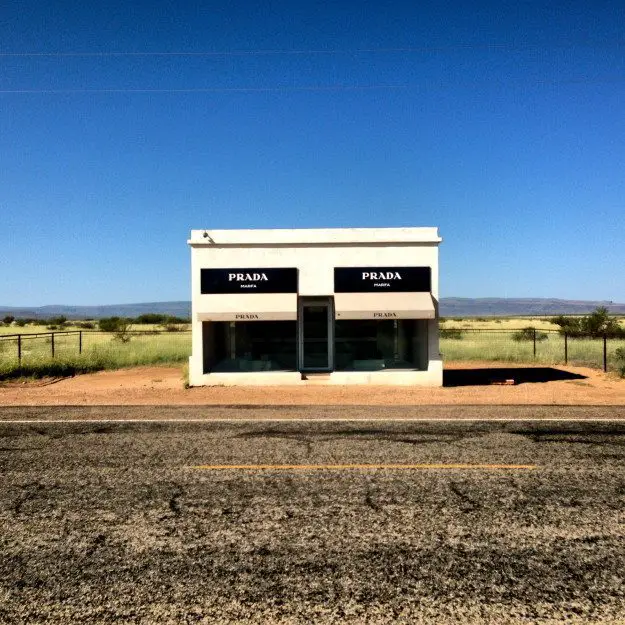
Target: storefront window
{"x":372,"y":345}
{"x":245,"y":346}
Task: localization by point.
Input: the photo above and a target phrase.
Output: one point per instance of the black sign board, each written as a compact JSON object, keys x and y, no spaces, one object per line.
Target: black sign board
{"x":390,"y":279}
{"x":223,"y":281}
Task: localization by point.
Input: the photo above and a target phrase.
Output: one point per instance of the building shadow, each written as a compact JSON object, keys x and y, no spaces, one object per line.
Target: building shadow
{"x":499,"y":375}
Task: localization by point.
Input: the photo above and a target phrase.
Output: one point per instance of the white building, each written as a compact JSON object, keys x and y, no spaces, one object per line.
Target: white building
{"x":342,"y":306}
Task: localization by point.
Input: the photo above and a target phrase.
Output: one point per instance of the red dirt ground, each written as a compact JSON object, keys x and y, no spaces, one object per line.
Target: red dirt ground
{"x":164,"y":385}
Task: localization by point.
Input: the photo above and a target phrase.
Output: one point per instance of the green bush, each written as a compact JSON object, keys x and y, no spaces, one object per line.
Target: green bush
{"x":597,"y":324}
{"x":151,"y":318}
{"x":159,"y":319}
{"x":8,"y":320}
{"x":451,"y":333}
{"x":20,"y":323}
{"x":527,"y":334}
{"x":172,"y":327}
{"x":110,"y":324}
{"x":57,"y":322}
{"x":119,"y":326}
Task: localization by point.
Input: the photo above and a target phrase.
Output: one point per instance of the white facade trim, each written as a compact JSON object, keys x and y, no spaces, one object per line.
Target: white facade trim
{"x":311,"y":236}
{"x":384,"y":306}
{"x":248,"y":307}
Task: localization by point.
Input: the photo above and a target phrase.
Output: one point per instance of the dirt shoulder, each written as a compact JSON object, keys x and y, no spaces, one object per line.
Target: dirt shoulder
{"x":467,"y":383}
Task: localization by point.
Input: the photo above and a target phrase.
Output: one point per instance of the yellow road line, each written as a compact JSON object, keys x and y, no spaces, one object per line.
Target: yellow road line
{"x":318,"y":467}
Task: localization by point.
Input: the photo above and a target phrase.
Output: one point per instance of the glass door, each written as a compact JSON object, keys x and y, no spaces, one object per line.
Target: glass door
{"x":315,"y":336}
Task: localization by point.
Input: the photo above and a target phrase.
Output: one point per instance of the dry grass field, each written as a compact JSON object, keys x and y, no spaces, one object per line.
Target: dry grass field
{"x":504,"y":323}
{"x":73,"y":327}
{"x":491,"y":339}
{"x":107,"y":523}
{"x":482,"y":323}
{"x":93,"y":351}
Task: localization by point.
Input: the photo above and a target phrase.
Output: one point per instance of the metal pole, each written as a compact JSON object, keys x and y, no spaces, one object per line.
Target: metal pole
{"x":566,"y":348}
{"x":80,"y":341}
{"x":605,"y":352}
{"x":395,"y":340}
{"x":52,"y":344}
{"x":19,"y":348}
{"x":534,"y":342}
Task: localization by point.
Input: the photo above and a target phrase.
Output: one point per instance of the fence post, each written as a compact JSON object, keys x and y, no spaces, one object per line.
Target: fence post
{"x":534,"y":334}
{"x":19,"y":348}
{"x":80,"y":341}
{"x":52,"y":344}
{"x":566,"y":348}
{"x":605,"y":352}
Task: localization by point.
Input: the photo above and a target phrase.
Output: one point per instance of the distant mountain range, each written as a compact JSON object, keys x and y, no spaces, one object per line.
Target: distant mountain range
{"x":176,"y":309}
{"x":449,"y":307}
{"x":516,"y":307}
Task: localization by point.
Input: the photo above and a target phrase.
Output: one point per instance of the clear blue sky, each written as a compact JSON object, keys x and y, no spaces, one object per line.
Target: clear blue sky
{"x":502,"y":123}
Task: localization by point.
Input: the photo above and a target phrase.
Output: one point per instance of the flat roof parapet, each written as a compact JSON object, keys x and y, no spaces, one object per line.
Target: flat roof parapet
{"x":311,"y":236}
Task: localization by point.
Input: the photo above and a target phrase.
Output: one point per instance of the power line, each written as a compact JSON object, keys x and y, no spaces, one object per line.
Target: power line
{"x":320,"y":88}
{"x":319,"y":51}
{"x":205,"y":89}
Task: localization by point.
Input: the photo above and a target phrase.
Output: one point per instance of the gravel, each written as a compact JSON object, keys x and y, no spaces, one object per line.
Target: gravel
{"x":464,"y":383}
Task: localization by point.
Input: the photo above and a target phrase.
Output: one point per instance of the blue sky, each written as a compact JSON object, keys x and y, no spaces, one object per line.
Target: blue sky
{"x":502,"y":123}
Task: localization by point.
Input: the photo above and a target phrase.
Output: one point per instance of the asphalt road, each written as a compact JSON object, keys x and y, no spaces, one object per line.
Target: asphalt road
{"x":113,"y":522}
{"x":317,"y":412}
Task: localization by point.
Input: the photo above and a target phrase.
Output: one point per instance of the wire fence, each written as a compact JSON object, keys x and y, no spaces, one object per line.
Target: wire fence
{"x":533,"y":346}
{"x":93,"y":349}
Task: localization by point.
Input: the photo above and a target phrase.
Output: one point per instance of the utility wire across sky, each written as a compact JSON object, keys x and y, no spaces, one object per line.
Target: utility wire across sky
{"x":303,"y":88}
{"x":320,"y":51}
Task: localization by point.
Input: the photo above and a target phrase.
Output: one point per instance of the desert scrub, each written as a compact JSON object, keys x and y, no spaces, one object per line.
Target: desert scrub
{"x":529,"y":334}
{"x":620,"y":361}
{"x":598,"y":323}
{"x":42,"y":368}
{"x":451,"y":333}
